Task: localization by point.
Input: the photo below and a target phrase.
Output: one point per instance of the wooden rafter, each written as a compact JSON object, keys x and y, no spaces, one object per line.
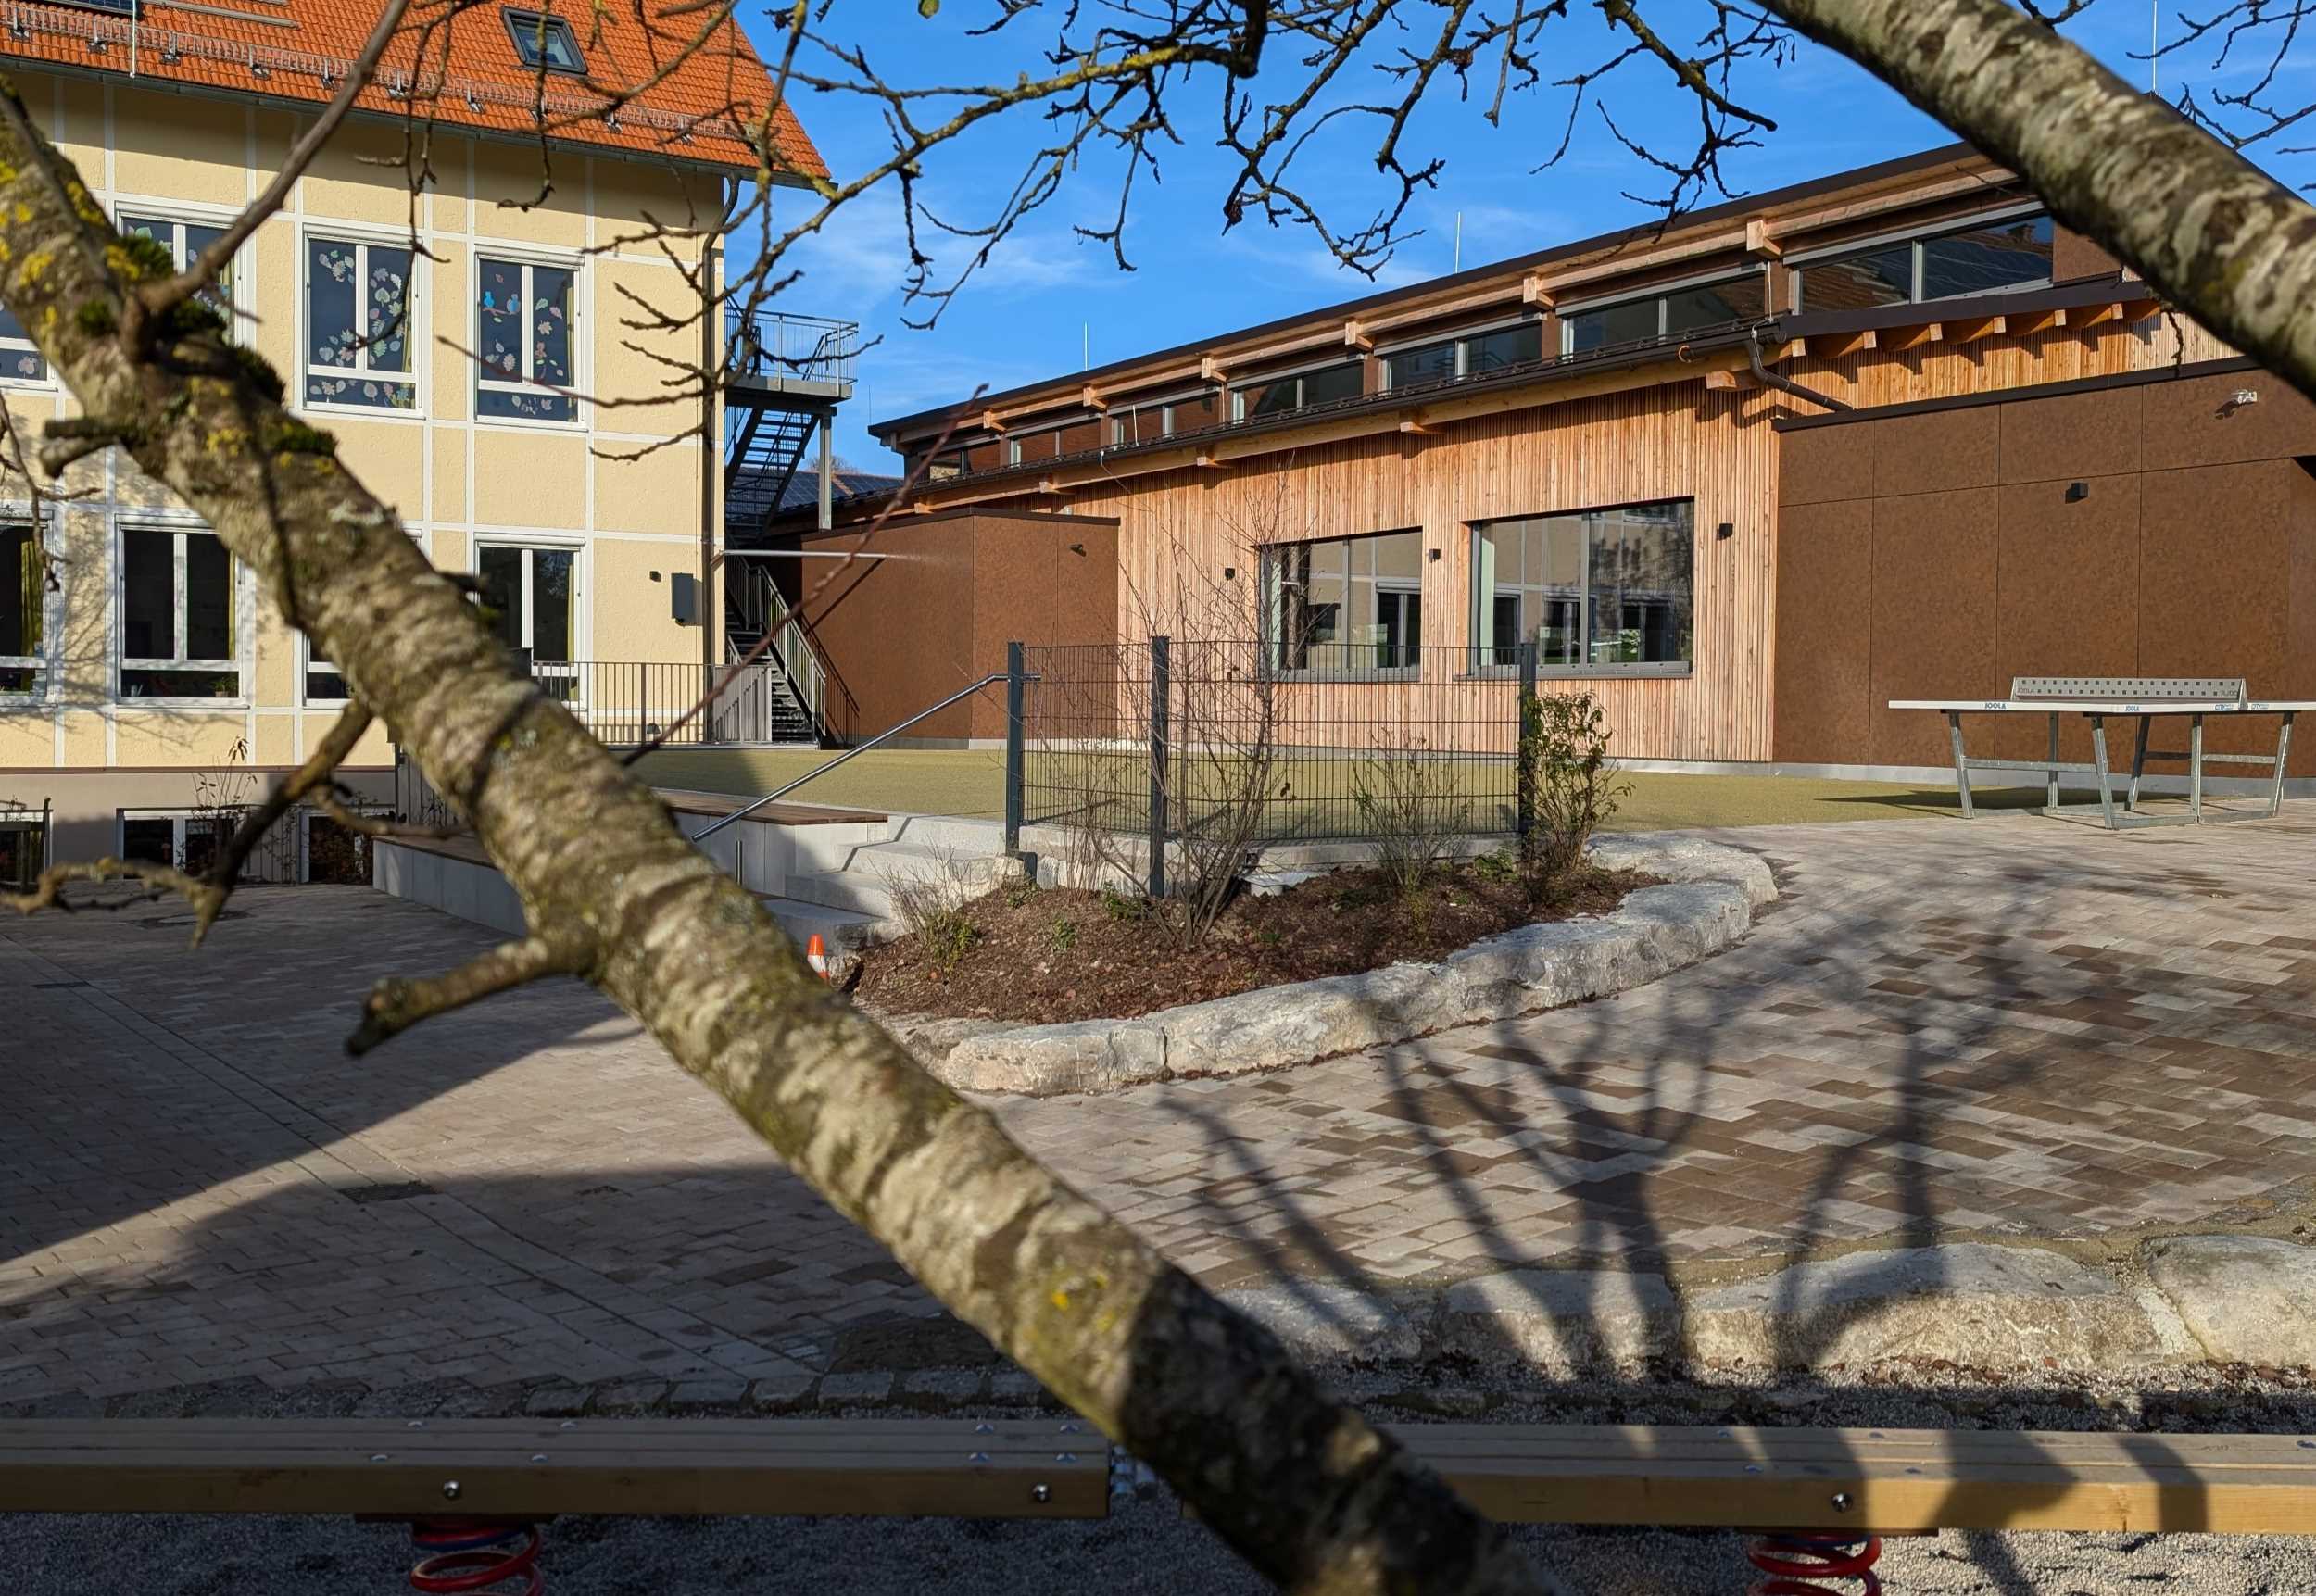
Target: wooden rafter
{"x":1971,"y":328}
{"x":2028,"y":323}
{"x":1837,"y":345}
{"x":1898,"y":339}
{"x":1760,"y":241}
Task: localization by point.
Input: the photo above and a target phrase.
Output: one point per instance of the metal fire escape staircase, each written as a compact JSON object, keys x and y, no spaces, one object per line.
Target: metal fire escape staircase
{"x":787,"y":375}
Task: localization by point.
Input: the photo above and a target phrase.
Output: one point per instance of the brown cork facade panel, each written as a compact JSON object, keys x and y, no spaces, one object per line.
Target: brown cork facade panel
{"x":2068,"y":436}
{"x":2215,"y":581}
{"x":2159,"y":528}
{"x":2074,"y":256}
{"x":1936,"y":452}
{"x":2067,"y":599}
{"x":1824,"y":626}
{"x":2200,"y":423}
{"x":902,"y":631}
{"x":1933,"y":614}
{"x":1825,"y":465}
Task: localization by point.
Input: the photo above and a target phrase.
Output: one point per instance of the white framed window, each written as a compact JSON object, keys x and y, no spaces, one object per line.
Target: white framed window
{"x":534,"y":589}
{"x":526,"y":336}
{"x":28,"y":606}
{"x":20,"y":362}
{"x":185,"y":240}
{"x":359,"y":301}
{"x":182,"y":602}
{"x":1666,"y":312}
{"x":176,"y":838}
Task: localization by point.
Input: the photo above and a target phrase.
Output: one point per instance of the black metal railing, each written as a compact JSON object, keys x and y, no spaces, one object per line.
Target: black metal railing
{"x":773,"y":346}
{"x":1173,"y":739}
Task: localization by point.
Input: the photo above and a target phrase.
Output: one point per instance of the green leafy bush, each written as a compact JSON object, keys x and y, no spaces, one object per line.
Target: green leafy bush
{"x":1568,"y":787}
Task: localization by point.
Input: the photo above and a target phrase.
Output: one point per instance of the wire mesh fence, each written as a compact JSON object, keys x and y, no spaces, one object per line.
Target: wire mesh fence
{"x":1175,"y":739}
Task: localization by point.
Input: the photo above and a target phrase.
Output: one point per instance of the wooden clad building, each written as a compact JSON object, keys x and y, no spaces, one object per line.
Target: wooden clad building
{"x":1696,"y":466}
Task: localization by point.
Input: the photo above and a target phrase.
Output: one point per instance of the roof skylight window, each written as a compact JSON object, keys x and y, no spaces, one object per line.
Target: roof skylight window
{"x":545,"y":41}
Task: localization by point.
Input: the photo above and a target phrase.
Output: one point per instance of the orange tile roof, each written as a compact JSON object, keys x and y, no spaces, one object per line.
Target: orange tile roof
{"x":455,"y":64}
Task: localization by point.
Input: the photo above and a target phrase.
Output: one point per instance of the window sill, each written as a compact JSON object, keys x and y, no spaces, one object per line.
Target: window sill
{"x":358,"y":412}
{"x":1598,"y":674}
{"x":529,"y":423}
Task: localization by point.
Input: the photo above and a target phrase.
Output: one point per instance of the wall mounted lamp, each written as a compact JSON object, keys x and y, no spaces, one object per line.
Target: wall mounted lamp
{"x":1726,"y":529}
{"x":2077,"y":491}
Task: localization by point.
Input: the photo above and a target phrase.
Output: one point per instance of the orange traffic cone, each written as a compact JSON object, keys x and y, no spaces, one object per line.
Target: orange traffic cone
{"x":816,"y":955}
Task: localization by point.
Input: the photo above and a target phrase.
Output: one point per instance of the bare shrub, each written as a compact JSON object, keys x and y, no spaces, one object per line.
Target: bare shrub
{"x":931,"y":906}
{"x":1406,"y":807}
{"x":1569,"y":785}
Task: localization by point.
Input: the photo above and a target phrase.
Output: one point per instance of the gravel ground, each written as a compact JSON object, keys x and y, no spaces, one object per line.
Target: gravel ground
{"x":1144,"y":1546}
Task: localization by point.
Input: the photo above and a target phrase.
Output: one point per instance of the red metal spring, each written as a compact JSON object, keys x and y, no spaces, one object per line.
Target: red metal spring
{"x":1796,"y":1563}
{"x":469,"y":1554}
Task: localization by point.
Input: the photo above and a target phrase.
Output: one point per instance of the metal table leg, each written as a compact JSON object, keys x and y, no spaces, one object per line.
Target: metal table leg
{"x":2050,"y":777}
{"x":2138,"y":762}
{"x":2195,"y":766}
{"x":2284,"y":748}
{"x":1961,"y":765}
{"x":2098,"y":758}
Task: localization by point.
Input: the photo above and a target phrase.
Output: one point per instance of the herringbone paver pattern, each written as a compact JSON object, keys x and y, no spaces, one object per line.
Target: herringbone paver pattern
{"x":2014,"y":1026}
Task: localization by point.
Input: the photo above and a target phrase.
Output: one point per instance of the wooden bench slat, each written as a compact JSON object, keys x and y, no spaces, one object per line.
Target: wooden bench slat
{"x":952,"y":1468}
{"x":1739,"y":1443}
{"x":166,"y":1482}
{"x":767,"y":1440}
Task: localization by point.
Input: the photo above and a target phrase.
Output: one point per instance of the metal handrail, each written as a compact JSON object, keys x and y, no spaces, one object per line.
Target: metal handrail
{"x":990,"y":679}
{"x":790,"y":639}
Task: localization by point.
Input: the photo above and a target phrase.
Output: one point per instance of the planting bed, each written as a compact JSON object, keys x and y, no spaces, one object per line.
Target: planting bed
{"x":1040,"y":957}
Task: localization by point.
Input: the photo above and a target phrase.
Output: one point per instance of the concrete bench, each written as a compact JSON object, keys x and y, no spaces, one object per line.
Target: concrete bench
{"x":2146,"y":698}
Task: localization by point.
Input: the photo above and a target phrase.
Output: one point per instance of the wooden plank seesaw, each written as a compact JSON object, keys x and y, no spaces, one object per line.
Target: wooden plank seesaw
{"x":1848,"y":1485}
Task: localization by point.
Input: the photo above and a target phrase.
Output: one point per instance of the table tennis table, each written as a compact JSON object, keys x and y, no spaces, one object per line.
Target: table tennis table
{"x":2144,"y":699}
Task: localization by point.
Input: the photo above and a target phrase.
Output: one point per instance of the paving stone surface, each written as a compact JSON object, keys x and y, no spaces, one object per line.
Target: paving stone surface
{"x":2013,"y":1027}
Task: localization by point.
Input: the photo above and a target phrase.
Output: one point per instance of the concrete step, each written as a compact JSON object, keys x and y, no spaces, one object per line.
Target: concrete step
{"x":837,"y":927}
{"x":964,"y":837}
{"x":841,"y":890}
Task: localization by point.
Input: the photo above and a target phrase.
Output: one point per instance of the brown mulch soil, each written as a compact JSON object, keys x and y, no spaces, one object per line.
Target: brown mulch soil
{"x":1040,"y":957}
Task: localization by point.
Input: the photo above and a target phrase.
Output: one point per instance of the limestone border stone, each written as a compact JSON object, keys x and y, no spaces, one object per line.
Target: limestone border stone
{"x":1706,"y":904}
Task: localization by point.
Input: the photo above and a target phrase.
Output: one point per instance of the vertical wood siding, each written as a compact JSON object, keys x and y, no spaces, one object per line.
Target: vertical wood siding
{"x":1178,"y":531}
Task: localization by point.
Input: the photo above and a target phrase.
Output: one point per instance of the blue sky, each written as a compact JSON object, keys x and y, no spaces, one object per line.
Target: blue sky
{"x":1048,"y":301}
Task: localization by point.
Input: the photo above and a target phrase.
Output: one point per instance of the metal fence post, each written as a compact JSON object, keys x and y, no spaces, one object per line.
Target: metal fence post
{"x":1014,"y":684}
{"x":1159,"y":706}
{"x":1524,"y":778}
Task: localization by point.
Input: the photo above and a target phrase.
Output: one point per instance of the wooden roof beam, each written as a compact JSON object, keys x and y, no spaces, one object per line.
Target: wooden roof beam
{"x":1417,"y":428}
{"x":1838,"y":345}
{"x":1094,"y":399}
{"x":2034,"y":321}
{"x":2091,"y":316}
{"x":1211,"y":370}
{"x":1903,"y":338}
{"x":1730,"y":382}
{"x":1760,"y":241}
{"x":1356,"y":336}
{"x":1973,"y":329}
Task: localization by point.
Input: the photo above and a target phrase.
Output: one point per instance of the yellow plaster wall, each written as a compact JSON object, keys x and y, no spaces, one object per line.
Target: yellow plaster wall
{"x":27,"y":737}
{"x":632,"y":614}
{"x":530,"y":479}
{"x":654,"y":492}
{"x":186,"y":147}
{"x":187,"y":736}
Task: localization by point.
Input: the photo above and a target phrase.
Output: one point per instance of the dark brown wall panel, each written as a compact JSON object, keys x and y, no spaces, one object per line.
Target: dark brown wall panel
{"x":1935,"y":452}
{"x":1824,"y":629}
{"x":2299,"y":667}
{"x":1031,"y":585}
{"x":2067,"y":600}
{"x":2074,"y":256}
{"x":2194,"y":423}
{"x":893,"y":629}
{"x":1934,"y":598}
{"x":2214,"y":581}
{"x":1817,"y":465}
{"x":2071,"y":435}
